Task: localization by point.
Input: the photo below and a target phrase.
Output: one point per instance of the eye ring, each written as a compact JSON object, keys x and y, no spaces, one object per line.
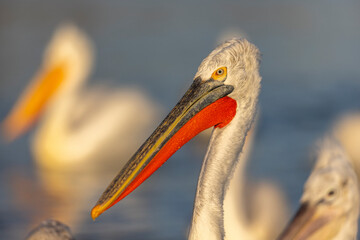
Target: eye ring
{"x":220,"y":71}
{"x":331,"y":194}
{"x":219,"y":74}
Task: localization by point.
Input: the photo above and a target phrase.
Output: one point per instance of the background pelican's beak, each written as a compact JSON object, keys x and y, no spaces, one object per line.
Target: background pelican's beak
{"x":204,"y":105}
{"x":312,"y":222}
{"x":33,"y":101}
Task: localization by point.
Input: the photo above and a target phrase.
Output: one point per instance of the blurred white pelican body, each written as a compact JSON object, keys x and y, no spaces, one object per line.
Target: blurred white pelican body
{"x":51,"y":230}
{"x":81,"y":128}
{"x":347,"y":130}
{"x":253,"y":210}
{"x":223,"y":94}
{"x":330,"y":203}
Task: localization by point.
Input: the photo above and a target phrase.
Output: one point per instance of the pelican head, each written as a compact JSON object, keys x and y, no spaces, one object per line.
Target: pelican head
{"x":223,"y":81}
{"x":235,"y":63}
{"x":66,"y":64}
{"x":330,"y":202}
{"x":51,"y":230}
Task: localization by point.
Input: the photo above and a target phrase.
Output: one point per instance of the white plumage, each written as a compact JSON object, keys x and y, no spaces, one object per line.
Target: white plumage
{"x":81,"y":128}
{"x":347,"y":130}
{"x":254,"y":210}
{"x":242,"y":60}
{"x":330,"y":202}
{"x":51,"y":230}
{"x":85,"y":132}
{"x":224,"y":94}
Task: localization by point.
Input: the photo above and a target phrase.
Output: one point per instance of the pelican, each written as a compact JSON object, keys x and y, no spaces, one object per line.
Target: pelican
{"x":330,"y":203}
{"x":82,"y":128}
{"x":224,"y":94}
{"x":347,"y":130}
{"x":84,"y":132}
{"x":255,"y":201}
{"x":51,"y":230}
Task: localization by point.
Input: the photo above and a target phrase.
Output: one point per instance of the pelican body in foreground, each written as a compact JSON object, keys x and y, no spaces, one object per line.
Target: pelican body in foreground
{"x":330,"y":203}
{"x":224,"y":94}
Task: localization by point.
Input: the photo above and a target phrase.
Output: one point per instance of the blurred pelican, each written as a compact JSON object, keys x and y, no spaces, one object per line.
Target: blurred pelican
{"x":330,"y":203}
{"x":81,"y":128}
{"x":347,"y":130}
{"x":254,"y":210}
{"x":84,"y":132}
{"x":51,"y":230}
{"x":223,"y":94}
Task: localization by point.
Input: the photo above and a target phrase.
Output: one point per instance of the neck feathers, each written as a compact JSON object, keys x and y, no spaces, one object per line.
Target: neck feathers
{"x":220,"y":161}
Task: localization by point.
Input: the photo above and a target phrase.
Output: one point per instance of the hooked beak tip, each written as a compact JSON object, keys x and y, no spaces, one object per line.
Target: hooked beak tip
{"x":96,"y":212}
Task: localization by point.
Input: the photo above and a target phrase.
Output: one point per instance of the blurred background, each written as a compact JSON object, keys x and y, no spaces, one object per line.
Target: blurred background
{"x":311,"y":76}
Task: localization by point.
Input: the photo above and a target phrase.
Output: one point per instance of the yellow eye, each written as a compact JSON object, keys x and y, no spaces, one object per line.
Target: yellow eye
{"x":219,"y":74}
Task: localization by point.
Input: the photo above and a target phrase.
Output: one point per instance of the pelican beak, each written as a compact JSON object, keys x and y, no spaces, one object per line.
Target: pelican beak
{"x":33,"y":100}
{"x":204,"y":105}
{"x":312,"y":222}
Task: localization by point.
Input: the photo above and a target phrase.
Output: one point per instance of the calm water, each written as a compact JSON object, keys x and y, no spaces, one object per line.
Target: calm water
{"x":311,"y":75}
